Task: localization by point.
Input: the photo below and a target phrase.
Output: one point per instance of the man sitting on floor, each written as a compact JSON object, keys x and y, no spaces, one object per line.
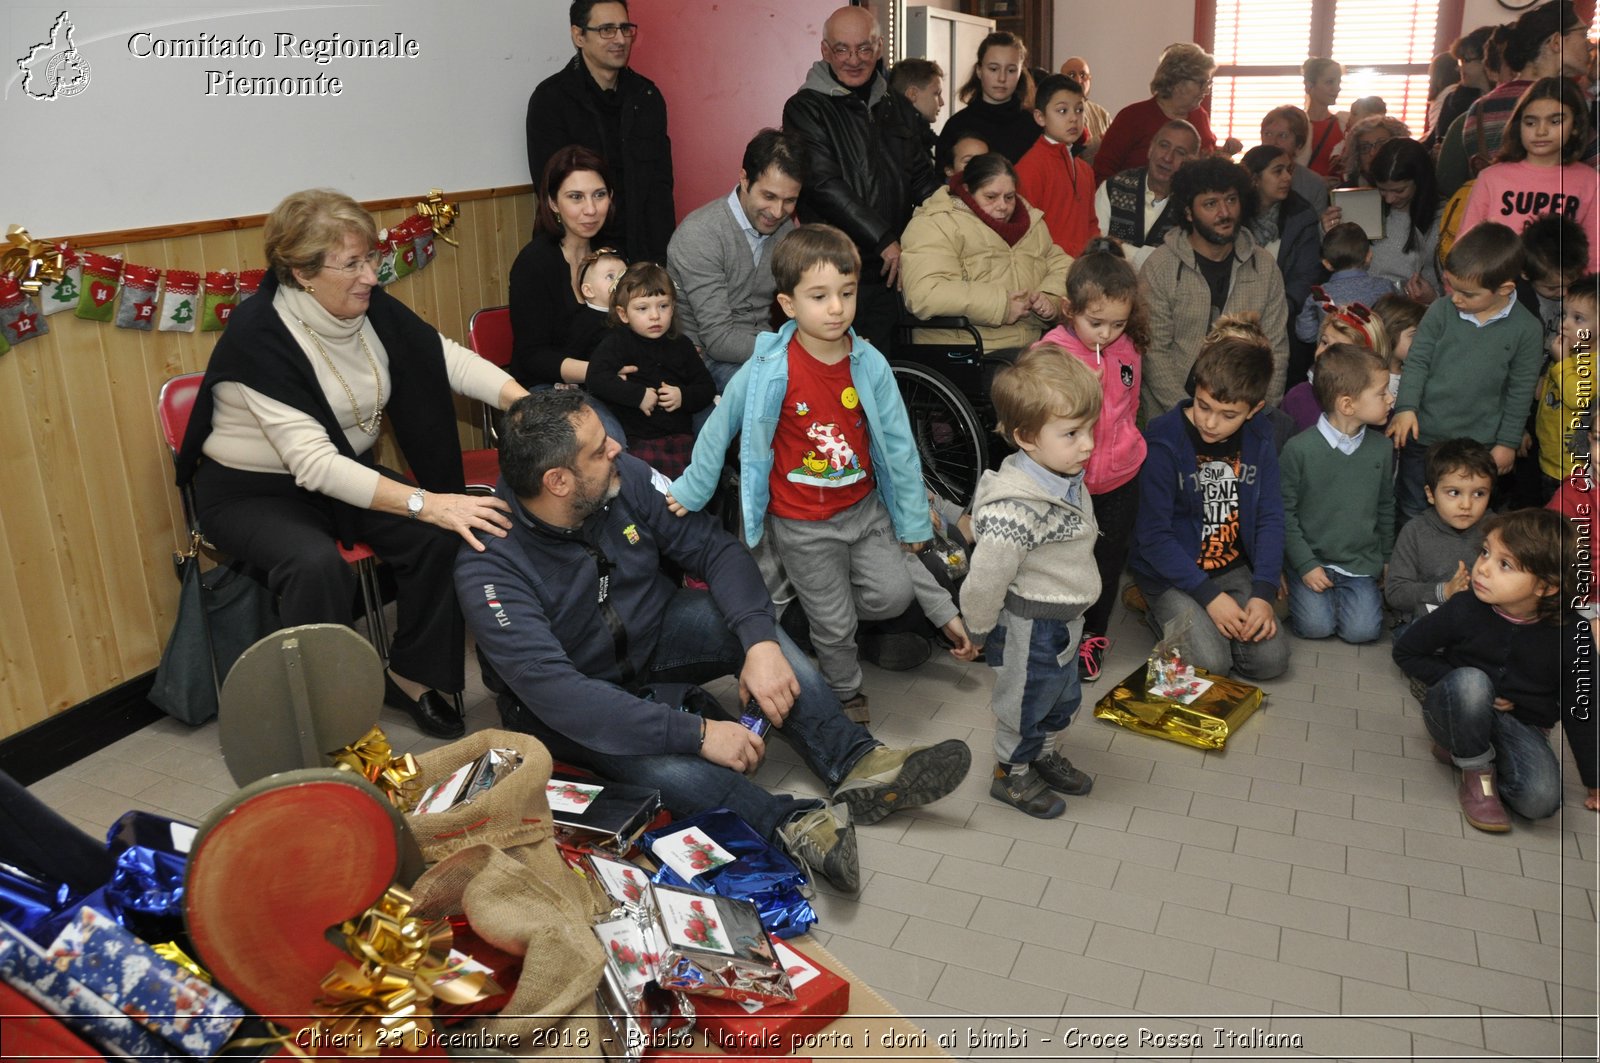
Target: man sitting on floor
{"x":577,"y":620}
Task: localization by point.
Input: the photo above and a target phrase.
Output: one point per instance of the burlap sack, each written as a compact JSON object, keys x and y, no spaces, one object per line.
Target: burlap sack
{"x":497,"y":864}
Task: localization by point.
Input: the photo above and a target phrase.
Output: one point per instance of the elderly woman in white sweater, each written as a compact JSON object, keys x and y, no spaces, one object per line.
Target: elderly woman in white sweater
{"x":280,"y":445}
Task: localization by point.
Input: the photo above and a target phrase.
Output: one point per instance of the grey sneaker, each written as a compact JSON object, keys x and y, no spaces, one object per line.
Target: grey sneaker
{"x":1025,"y":790}
{"x":824,"y":841}
{"x":1059,"y":774}
{"x":887,"y":780}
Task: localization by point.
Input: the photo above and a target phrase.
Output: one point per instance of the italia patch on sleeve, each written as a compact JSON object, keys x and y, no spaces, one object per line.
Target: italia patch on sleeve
{"x":492,"y":600}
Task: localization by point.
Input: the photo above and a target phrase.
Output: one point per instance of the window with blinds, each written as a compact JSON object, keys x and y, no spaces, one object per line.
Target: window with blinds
{"x":1384,"y":46}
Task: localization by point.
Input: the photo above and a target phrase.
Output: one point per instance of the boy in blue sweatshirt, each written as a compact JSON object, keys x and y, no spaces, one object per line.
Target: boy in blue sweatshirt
{"x":1473,"y":365}
{"x":1208,"y":548}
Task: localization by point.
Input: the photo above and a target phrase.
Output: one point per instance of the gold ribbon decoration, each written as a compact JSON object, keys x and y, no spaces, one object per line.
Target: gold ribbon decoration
{"x":381,"y":997}
{"x":170,"y":951}
{"x":372,"y":758}
{"x":34,"y":263}
{"x":440,"y":214}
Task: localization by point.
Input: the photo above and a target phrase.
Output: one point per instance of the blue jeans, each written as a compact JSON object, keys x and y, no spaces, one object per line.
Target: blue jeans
{"x":1036,"y":690}
{"x":1410,"y":482}
{"x":1208,"y":648}
{"x":696,"y":646}
{"x":1460,"y":715}
{"x":1352,"y":609}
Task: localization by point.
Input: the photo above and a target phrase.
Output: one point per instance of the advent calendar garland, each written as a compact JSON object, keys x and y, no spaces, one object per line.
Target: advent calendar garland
{"x":39,"y":278}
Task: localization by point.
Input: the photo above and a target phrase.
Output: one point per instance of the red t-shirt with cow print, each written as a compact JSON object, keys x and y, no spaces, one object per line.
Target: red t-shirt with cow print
{"x":820,"y":462}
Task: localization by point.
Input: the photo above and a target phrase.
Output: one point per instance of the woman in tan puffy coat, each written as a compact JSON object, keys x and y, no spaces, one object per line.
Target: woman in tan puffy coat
{"x":977,"y":249}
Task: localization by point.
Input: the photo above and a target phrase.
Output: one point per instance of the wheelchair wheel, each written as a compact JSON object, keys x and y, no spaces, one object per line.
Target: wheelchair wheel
{"x":949,"y":437}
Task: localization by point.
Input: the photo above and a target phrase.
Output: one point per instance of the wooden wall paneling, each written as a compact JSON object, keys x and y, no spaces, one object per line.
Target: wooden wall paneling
{"x":76,"y":410}
{"x":21,"y":686}
{"x":51,"y":521}
{"x":135,"y":383}
{"x":94,"y":359}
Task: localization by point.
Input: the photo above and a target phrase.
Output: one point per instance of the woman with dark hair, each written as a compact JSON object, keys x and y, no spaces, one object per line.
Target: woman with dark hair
{"x":998,"y":101}
{"x":1284,"y":224}
{"x":1181,"y":81}
{"x":1537,"y":171}
{"x":977,"y":249}
{"x":280,"y":447}
{"x":574,"y":202}
{"x":1402,"y":172}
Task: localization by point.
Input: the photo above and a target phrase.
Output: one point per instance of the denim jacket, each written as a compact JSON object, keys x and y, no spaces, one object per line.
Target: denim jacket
{"x":750,"y":407}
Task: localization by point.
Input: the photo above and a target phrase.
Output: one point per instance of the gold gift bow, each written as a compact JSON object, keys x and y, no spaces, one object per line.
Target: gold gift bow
{"x":441,"y":214}
{"x":399,"y":963}
{"x":32,"y":262}
{"x":372,"y":758}
{"x":170,"y":951}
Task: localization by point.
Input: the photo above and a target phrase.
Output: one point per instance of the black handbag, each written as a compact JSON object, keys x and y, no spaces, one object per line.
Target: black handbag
{"x":221,"y":613}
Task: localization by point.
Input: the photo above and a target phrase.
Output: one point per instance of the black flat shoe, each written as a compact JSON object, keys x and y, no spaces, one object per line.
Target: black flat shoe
{"x":434,"y":712}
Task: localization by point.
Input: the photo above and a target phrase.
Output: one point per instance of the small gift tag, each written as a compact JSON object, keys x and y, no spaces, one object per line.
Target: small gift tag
{"x":20,"y":319}
{"x":250,"y":282}
{"x":627,"y":951}
{"x":137,"y":307}
{"x":571,"y":796}
{"x":624,"y":883}
{"x":98,"y":286}
{"x":180,"y":301}
{"x":63,"y":294}
{"x":690,"y":852}
{"x":221,"y":296}
{"x":692,"y":922}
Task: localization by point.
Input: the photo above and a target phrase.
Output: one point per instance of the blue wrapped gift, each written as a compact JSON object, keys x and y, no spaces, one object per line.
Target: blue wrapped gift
{"x":25,"y":967}
{"x":185,"y":1011}
{"x":717,"y":852}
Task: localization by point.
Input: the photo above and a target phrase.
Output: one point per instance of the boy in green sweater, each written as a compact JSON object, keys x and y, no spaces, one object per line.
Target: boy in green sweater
{"x":1473,"y":365}
{"x":1338,"y":506}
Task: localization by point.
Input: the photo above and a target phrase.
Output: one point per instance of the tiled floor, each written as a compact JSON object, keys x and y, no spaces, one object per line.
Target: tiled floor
{"x":1314,"y":881}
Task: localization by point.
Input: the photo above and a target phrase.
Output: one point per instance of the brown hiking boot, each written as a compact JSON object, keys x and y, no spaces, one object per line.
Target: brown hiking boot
{"x":1480,"y":801}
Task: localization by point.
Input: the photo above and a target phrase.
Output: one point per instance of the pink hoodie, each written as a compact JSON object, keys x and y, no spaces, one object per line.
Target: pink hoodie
{"x":1119,"y":446}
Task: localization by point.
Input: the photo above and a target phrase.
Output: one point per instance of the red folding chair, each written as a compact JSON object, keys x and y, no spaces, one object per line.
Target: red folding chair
{"x":173,"y":408}
{"x":489,"y":333}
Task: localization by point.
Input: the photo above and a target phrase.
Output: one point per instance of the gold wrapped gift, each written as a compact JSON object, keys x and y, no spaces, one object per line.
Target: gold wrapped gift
{"x":1205,"y":723}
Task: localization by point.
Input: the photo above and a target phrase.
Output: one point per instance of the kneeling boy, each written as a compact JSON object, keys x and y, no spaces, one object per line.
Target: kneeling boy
{"x":1208,"y":548}
{"x":1338,"y":501}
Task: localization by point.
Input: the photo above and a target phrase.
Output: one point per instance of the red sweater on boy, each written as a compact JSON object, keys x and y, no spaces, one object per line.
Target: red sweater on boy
{"x":1061,"y":185}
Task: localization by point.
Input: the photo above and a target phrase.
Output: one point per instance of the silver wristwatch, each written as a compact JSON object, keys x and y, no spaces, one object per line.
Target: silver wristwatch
{"x":414,"y":504}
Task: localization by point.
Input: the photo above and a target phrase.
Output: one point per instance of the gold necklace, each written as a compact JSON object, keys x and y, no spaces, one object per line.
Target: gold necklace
{"x":370,"y":427}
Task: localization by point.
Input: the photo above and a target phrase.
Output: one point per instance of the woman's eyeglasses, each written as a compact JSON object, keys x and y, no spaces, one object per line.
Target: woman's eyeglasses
{"x":371,"y":258}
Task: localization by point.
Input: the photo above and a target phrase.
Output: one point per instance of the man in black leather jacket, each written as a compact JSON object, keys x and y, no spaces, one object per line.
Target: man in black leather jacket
{"x":597,"y":101}
{"x":868,"y":169}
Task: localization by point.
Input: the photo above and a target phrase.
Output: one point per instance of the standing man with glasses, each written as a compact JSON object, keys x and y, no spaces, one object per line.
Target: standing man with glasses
{"x":867,"y":169}
{"x":598,"y":102}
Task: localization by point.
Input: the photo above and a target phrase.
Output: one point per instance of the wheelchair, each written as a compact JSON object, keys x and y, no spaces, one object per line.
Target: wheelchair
{"x":945,"y":387}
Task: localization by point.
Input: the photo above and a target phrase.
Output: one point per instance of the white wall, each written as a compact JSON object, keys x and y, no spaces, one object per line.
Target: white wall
{"x":144,"y":144}
{"x":1122,"y":40}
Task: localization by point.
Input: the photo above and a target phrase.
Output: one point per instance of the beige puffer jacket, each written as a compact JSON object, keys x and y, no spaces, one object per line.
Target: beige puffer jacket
{"x":951,"y":263}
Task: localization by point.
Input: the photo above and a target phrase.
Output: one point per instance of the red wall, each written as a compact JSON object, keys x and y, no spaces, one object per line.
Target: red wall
{"x":725,"y":69}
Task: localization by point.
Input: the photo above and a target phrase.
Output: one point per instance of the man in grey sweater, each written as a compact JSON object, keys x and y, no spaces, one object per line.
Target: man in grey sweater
{"x":1434,"y":554}
{"x":720,"y":258}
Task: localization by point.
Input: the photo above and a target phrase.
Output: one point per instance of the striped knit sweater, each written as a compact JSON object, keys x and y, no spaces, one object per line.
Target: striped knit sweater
{"x":1035,"y":551}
